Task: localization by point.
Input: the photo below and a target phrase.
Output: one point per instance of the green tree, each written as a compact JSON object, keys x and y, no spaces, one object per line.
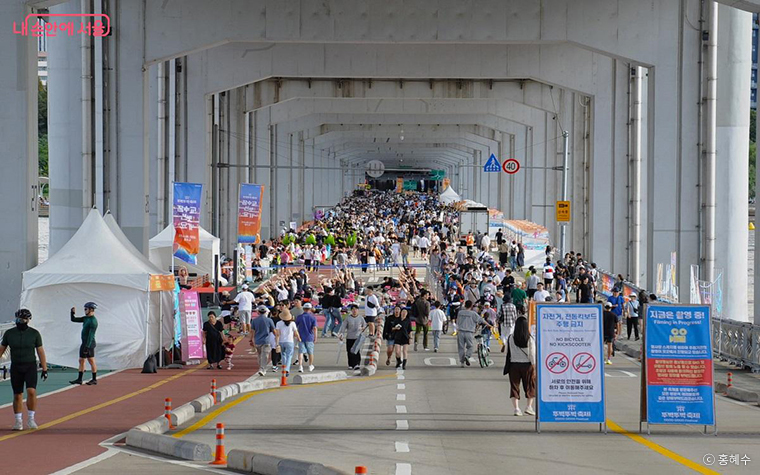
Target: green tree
{"x":42,"y":129}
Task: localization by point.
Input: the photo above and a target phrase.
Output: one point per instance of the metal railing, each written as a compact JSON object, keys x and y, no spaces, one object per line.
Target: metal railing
{"x":736,"y":342}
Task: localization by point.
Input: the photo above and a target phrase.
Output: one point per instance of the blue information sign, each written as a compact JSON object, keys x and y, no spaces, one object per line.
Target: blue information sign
{"x":492,"y":165}
{"x":570,"y":364}
{"x":679,"y":365}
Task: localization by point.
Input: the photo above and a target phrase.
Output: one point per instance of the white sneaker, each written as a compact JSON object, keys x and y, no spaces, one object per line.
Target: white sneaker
{"x":18,"y":425}
{"x":529,"y":411}
{"x":30,"y":422}
{"x":311,"y":367}
{"x":300,"y":369}
{"x":261,"y":372}
{"x":274,"y":369}
{"x":518,"y":412}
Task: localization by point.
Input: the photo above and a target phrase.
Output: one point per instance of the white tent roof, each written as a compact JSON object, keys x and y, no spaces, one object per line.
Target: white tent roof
{"x":166,"y":239}
{"x":94,"y":254}
{"x":449,"y":196}
{"x":116,"y":230}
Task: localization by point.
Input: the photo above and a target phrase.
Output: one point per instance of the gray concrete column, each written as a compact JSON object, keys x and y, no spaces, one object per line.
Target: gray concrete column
{"x":64,"y":124}
{"x":18,"y":134}
{"x":734,"y":68}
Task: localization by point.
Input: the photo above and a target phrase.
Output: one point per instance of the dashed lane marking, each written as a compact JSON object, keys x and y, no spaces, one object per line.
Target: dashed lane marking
{"x":402,"y":447}
{"x":402,"y":424}
{"x":400,"y":397}
{"x":400,"y":409}
{"x":403,"y":469}
{"x":401,"y":386}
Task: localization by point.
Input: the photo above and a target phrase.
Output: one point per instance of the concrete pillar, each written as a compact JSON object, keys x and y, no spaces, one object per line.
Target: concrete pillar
{"x":64,"y":124}
{"x":132,"y":124}
{"x":734,"y":70}
{"x":18,"y":134}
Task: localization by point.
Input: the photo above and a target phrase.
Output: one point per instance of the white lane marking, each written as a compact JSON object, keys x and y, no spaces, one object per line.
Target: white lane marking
{"x":400,"y":377}
{"x":402,"y":447}
{"x":446,"y":361}
{"x":403,"y":469}
{"x":400,"y":397}
{"x":400,"y":409}
{"x":401,"y":386}
{"x":628,"y":373}
{"x":92,"y":461}
{"x":402,"y":424}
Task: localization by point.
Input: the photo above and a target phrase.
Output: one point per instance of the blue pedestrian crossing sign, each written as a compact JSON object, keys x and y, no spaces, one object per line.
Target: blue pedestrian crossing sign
{"x":492,"y":165}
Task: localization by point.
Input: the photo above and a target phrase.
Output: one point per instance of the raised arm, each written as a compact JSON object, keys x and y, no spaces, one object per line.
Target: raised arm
{"x":74,"y":318}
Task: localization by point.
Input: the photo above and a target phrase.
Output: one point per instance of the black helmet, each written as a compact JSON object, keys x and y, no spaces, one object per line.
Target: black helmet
{"x":23,"y":313}
{"x":91,"y":305}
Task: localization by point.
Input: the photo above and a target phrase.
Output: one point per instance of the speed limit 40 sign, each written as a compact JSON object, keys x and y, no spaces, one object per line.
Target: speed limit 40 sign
{"x":510,"y":166}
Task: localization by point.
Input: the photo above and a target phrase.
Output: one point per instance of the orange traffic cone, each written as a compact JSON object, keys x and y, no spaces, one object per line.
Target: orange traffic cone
{"x":284,"y":378}
{"x":219,"y":457}
{"x":360,"y":470}
{"x":213,"y":390}
{"x":168,"y":412}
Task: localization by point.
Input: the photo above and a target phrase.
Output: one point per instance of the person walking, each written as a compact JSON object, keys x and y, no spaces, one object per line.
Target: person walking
{"x":245,"y":306}
{"x":507,"y":319}
{"x":23,"y":342}
{"x":421,"y":313}
{"x":618,"y":302}
{"x":351,"y":328}
{"x":467,"y":321}
{"x":437,"y":318}
{"x":213,"y":339}
{"x":286,"y":334}
{"x":402,"y":330}
{"x":632,"y":316}
{"x":371,"y":306}
{"x":307,"y":330}
{"x":520,"y":366}
{"x":610,"y":330}
{"x":390,"y":322}
{"x":261,"y":327}
{"x":87,"y":349}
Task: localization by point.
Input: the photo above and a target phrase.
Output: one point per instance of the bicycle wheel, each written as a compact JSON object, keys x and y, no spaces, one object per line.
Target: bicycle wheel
{"x":482,"y":357}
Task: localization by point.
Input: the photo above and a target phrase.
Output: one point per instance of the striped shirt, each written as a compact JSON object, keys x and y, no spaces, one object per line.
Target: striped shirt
{"x":508,"y":314}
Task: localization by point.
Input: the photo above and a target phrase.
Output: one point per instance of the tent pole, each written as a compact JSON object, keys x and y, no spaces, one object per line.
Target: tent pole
{"x":171,"y":203}
{"x":160,"y":331}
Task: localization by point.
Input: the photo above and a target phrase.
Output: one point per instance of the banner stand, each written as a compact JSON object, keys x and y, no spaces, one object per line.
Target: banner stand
{"x":569,"y":363}
{"x":675,"y":309}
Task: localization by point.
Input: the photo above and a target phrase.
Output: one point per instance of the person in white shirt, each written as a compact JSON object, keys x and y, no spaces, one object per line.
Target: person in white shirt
{"x":485,"y":243}
{"x":541,"y":295}
{"x":245,"y":306}
{"x":371,"y":307}
{"x":424,"y":243}
{"x":286,"y":335}
{"x":548,"y":273}
{"x":437,"y":318}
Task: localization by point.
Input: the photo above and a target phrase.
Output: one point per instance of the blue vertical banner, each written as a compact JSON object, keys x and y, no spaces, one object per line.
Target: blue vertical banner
{"x":186,"y":211}
{"x":569,"y":363}
{"x":679,"y":366}
{"x":249,"y":213}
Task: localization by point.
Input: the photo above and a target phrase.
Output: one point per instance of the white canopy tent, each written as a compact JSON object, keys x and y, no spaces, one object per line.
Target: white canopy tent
{"x":449,"y":196}
{"x":161,"y":251}
{"x":96,"y":266}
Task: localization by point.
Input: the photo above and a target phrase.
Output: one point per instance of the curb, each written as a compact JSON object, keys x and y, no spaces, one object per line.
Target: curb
{"x":164,"y":444}
{"x":253,"y":462}
{"x":182,"y":414}
{"x":159,"y":425}
{"x":742,"y":394}
{"x":312,"y":378}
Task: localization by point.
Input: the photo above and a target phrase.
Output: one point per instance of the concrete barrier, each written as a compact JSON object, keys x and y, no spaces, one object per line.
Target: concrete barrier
{"x":182,"y":414}
{"x":368,"y":370}
{"x":742,"y":394}
{"x":311,"y":378}
{"x":226,"y":392}
{"x":720,"y":387}
{"x":158,"y":425}
{"x":203,"y":403}
{"x":254,"y":462}
{"x":163,"y":444}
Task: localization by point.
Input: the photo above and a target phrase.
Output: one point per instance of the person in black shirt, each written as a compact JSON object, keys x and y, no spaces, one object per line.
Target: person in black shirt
{"x":610,"y":330}
{"x":584,"y":290}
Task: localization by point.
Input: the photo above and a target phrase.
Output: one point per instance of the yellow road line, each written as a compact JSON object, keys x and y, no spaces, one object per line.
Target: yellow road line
{"x":74,"y":415}
{"x":205,"y":420}
{"x":661,"y":450}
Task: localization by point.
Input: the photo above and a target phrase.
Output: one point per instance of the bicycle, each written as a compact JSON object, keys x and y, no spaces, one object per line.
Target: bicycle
{"x":483,"y":352}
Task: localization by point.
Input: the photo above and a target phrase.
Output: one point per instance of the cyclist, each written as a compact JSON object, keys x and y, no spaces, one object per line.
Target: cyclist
{"x":87,"y":349}
{"x":23,"y":341}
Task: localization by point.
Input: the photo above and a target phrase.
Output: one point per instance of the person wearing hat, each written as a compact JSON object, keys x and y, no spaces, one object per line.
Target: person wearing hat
{"x":632,"y":315}
{"x":286,"y":334}
{"x":245,"y":306}
{"x":23,"y":341}
{"x":261,"y":327}
{"x":307,"y":328}
{"x":610,"y":330}
{"x":87,"y":349}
